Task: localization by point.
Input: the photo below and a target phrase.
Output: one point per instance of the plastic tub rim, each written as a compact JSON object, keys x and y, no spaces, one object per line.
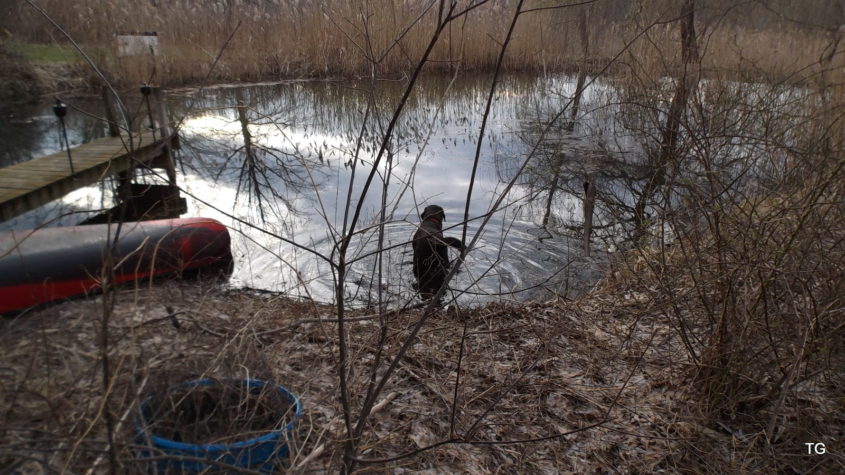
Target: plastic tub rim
{"x":165,"y":443}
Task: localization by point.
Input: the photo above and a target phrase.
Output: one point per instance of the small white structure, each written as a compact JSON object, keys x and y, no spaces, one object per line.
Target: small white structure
{"x":141,"y":44}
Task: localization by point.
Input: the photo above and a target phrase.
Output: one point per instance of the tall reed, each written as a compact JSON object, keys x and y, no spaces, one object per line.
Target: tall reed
{"x":290,"y":39}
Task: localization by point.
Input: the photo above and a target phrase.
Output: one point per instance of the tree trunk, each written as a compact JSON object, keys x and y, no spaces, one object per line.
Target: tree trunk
{"x":589,"y":205}
{"x":686,"y":85}
{"x":582,"y":69}
{"x":552,"y":189}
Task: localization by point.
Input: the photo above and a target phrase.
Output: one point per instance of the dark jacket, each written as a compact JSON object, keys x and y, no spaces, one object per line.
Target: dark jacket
{"x":431,"y":256}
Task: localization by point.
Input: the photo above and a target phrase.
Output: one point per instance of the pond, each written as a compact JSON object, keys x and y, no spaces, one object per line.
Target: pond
{"x":276,"y":161}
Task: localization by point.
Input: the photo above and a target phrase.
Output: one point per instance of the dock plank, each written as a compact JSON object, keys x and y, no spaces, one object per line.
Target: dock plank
{"x":26,"y":185}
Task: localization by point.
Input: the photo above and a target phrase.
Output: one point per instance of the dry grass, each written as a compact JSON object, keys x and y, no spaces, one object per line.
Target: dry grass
{"x":337,"y":38}
{"x":747,"y":261}
{"x":717,"y":354}
{"x":528,"y":372}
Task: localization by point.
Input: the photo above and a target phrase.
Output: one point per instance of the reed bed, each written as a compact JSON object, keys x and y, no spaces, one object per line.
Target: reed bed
{"x":338,"y":38}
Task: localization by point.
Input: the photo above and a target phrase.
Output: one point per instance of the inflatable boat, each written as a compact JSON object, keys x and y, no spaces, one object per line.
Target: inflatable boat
{"x":49,"y":264}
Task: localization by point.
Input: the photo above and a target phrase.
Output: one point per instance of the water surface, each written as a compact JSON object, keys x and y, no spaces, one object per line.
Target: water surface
{"x":277,"y":161}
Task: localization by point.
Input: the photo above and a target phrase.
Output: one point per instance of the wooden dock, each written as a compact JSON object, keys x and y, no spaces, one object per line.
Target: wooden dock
{"x":28,"y":185}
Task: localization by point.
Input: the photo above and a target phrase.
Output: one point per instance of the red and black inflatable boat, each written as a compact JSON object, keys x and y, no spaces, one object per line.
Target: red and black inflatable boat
{"x":44,"y":265}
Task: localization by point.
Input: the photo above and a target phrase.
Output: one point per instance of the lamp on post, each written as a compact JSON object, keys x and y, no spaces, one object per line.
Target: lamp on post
{"x":146,"y":90}
{"x":60,"y":109}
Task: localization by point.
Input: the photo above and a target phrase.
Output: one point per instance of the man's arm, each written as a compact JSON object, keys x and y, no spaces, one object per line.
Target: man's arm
{"x":454,"y":242}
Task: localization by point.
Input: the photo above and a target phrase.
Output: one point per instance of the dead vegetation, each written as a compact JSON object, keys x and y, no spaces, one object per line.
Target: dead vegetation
{"x":714,"y":345}
{"x":17,"y":79}
{"x":215,"y":411}
{"x":329,"y":38}
{"x":607,"y":369}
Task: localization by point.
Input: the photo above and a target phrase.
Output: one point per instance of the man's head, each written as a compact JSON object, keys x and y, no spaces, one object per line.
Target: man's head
{"x":433,"y":211}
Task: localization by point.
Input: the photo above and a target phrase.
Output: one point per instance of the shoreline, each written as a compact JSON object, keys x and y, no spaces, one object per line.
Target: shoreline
{"x":44,"y":79}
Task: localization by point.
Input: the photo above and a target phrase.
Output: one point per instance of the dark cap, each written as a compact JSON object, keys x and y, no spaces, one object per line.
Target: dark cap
{"x":433,"y":211}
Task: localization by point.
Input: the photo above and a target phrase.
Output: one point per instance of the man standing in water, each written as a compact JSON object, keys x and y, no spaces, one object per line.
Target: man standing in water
{"x":431,"y":253}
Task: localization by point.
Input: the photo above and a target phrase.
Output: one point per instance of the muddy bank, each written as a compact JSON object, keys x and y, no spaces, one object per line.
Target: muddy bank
{"x":27,"y":82}
{"x":19,"y":82}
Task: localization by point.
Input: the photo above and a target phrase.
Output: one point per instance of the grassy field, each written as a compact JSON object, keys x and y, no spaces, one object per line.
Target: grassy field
{"x":44,"y":53}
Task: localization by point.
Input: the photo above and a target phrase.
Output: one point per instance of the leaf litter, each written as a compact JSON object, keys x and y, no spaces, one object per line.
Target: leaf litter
{"x":532,"y":376}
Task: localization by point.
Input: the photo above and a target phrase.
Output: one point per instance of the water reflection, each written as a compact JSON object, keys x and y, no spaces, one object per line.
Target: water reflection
{"x":307,"y":137}
{"x":33,"y":131}
{"x":277,"y":161}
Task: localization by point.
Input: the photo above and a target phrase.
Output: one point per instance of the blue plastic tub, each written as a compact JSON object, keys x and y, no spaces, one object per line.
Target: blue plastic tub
{"x":257,"y":453}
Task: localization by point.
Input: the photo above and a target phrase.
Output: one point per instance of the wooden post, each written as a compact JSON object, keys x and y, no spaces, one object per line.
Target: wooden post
{"x":124,"y":178}
{"x":108,"y":103}
{"x":159,"y":111}
{"x":589,"y":204}
{"x":160,"y":115}
{"x":173,"y":205}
